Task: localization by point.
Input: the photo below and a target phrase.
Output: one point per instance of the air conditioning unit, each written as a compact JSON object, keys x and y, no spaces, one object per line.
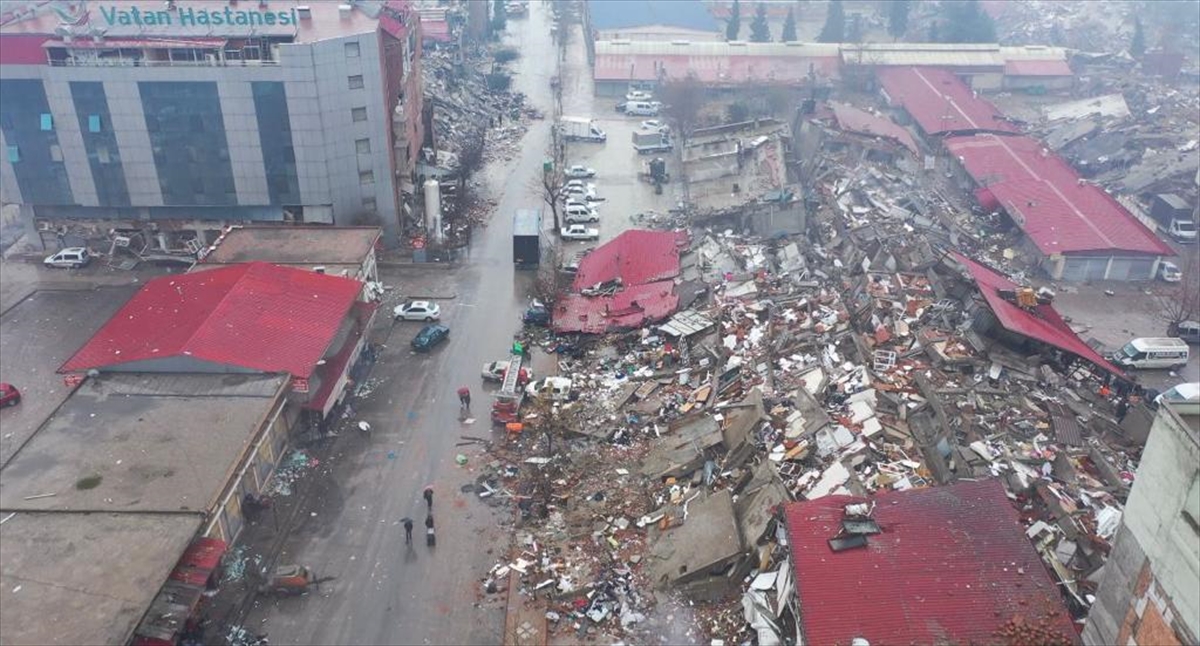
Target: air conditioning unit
{"x":121,"y":241}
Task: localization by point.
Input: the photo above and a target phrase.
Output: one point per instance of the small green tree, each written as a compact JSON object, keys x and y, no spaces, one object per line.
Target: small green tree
{"x":834,"y":30}
{"x":789,"y":28}
{"x":760,"y":31}
{"x":898,"y":18}
{"x":734,"y":25}
{"x":1137,"y":46}
{"x":499,"y":16}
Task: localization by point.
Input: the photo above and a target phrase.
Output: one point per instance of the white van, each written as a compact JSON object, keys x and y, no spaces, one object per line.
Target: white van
{"x":576,"y":213}
{"x":642,"y":108}
{"x":1153,"y":353}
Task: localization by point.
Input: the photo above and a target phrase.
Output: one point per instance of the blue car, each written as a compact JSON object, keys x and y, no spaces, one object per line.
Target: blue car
{"x":429,"y":336}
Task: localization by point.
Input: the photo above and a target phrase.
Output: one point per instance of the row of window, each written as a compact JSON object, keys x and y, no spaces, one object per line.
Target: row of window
{"x":46,"y":122}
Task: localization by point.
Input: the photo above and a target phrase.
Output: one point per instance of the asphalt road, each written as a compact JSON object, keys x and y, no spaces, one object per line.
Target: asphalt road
{"x":385,"y":593}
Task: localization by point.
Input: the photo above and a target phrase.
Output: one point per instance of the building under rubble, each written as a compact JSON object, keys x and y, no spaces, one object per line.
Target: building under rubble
{"x":174,"y":120}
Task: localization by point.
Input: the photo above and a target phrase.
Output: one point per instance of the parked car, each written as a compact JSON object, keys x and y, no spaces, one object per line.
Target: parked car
{"x":576,"y":213}
{"x":536,"y":314}
{"x":1189,"y":331}
{"x":655,"y":124}
{"x":580,"y":191}
{"x":69,"y":258}
{"x":418,"y":311}
{"x":494,"y":371}
{"x":579,"y":172}
{"x":1169,"y":272}
{"x":429,"y":336}
{"x":580,"y":232}
{"x":9,"y":395}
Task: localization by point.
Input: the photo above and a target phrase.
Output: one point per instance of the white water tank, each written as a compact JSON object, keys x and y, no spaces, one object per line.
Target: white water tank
{"x":433,"y":209}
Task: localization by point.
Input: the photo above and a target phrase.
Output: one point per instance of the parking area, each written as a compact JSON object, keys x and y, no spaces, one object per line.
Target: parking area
{"x":1131,"y":311}
{"x":37,"y":335}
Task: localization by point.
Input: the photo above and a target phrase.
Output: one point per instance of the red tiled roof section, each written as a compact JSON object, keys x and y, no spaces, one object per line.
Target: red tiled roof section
{"x":940,"y":102}
{"x":256,"y":316}
{"x":1043,"y":323}
{"x":951,"y":566}
{"x":1046,"y":197}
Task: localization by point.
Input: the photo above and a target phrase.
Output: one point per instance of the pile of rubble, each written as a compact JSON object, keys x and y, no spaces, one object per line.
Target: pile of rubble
{"x":852,"y":362}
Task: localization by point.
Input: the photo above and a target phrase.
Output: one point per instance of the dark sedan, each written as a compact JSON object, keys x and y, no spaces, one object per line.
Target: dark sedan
{"x":429,"y":336}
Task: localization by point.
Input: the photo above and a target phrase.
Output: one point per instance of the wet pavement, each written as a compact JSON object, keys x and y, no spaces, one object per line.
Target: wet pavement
{"x":348,"y":525}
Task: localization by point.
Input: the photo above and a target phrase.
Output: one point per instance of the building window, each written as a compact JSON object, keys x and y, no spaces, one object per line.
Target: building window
{"x":14,"y":154}
{"x":366,"y":177}
{"x":356,"y":82}
{"x":93,"y":123}
{"x":368,"y":204}
{"x":358,"y":114}
{"x":363,"y":146}
{"x":47,"y":121}
{"x":352,"y":50}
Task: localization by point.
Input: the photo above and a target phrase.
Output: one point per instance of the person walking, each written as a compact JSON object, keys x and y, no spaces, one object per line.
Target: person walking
{"x":429,"y":498}
{"x":408,"y":525}
{"x":464,"y":398}
{"x":430,"y":539}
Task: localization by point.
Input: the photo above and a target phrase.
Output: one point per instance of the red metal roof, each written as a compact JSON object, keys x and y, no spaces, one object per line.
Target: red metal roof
{"x":1046,"y":197}
{"x":646,"y":262}
{"x":198,"y":561}
{"x":256,"y":316}
{"x":1043,"y":323}
{"x":334,"y":367}
{"x":436,"y":30}
{"x":939,"y":101}
{"x":713,"y":68}
{"x":636,"y":256}
{"x":1037,"y":68}
{"x":632,"y":307}
{"x":23,"y":49}
{"x":951,"y":566}
{"x":855,"y":120}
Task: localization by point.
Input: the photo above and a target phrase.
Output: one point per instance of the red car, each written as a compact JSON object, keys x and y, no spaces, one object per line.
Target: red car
{"x":9,"y":395}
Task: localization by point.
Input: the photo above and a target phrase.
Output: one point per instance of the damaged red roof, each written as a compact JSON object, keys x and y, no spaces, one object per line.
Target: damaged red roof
{"x":951,"y":566}
{"x":1043,"y":323}
{"x":852,"y":119}
{"x":1046,"y":197}
{"x":632,"y":307}
{"x":636,"y":256}
{"x":256,"y":316}
{"x":940,"y":102}
{"x":646,"y":262}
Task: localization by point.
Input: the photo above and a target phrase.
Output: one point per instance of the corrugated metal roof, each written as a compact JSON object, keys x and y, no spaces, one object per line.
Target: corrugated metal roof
{"x":685,"y":324}
{"x":1037,"y":68}
{"x":979,"y":56}
{"x":940,"y":102}
{"x":1066,"y":427}
{"x":256,"y":316}
{"x":635,"y":256}
{"x":855,"y":120}
{"x":952,"y":565}
{"x":1043,"y":323}
{"x":632,"y":307}
{"x":1046,"y":197}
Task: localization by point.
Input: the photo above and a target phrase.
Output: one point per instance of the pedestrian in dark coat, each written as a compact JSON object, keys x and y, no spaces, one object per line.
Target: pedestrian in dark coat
{"x":430,"y":540}
{"x":429,"y":498}
{"x":408,"y":525}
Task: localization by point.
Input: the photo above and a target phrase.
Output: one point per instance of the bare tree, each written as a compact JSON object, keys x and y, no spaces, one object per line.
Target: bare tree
{"x":552,"y":186}
{"x":683,"y":99}
{"x":1181,"y":302}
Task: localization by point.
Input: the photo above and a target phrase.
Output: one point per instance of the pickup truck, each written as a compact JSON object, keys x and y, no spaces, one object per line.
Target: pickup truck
{"x":579,"y":232}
